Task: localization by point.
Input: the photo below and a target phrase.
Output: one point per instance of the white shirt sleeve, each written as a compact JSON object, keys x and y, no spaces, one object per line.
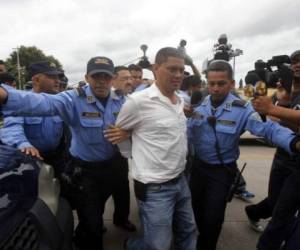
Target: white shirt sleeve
{"x":129,"y":116}
{"x":127,"y":119}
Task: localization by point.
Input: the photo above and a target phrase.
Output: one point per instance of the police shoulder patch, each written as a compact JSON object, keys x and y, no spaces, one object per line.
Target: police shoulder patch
{"x":239,"y":103}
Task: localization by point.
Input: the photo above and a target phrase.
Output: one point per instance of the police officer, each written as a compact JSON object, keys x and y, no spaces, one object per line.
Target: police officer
{"x":38,"y":136}
{"x":88,"y":111}
{"x":214,"y":130}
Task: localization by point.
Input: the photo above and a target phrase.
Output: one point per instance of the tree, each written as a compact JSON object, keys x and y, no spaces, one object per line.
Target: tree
{"x":28,"y":55}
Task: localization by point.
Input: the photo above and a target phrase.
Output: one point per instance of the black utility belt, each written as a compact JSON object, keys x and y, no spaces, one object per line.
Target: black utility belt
{"x":140,"y":189}
{"x":172,"y":181}
{"x":91,"y":164}
{"x":53,"y":153}
{"x":204,"y":164}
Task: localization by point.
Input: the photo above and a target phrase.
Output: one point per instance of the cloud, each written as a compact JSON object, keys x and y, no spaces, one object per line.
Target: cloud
{"x":74,"y":31}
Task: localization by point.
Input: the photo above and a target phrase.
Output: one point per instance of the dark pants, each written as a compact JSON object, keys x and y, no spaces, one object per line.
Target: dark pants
{"x":278,"y":177}
{"x":57,"y":161}
{"x":95,"y":183}
{"x":283,"y":217}
{"x":210,"y":185}
{"x":121,"y":193}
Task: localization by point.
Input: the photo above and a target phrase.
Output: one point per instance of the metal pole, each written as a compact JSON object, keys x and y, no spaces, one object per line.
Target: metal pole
{"x":18,"y":68}
{"x":234,"y":66}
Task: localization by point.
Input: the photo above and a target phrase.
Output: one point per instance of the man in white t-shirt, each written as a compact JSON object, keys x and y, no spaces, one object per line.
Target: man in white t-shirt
{"x":159,"y":148}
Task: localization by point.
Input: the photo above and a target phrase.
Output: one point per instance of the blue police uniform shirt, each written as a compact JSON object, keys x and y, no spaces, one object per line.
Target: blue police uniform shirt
{"x":82,"y":112}
{"x":231,"y":121}
{"x":44,"y":133}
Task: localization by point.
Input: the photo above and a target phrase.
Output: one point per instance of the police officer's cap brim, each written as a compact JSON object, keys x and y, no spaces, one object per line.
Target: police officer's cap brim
{"x":52,"y":73}
{"x":95,"y":71}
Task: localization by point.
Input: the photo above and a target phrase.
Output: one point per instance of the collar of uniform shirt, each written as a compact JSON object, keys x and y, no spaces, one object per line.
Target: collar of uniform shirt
{"x":226,"y":104}
{"x":91,"y":97}
{"x":154,"y":92}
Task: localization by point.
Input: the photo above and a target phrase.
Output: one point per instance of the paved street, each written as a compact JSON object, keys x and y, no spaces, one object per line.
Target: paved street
{"x":236,"y":234}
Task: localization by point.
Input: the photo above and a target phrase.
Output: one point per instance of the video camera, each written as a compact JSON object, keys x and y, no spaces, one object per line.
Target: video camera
{"x":144,"y":61}
{"x":222,"y":49}
{"x":264,"y":71}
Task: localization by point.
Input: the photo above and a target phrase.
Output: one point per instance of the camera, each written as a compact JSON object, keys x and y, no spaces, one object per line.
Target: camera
{"x":144,"y":61}
{"x":223,"y":50}
{"x":182,"y":43}
{"x":272,"y":72}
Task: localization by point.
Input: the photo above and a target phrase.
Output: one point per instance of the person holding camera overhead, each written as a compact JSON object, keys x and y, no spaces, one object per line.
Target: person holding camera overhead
{"x":214,"y":130}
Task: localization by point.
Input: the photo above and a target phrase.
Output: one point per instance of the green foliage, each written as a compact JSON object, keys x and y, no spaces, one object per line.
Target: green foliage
{"x":27,"y":55}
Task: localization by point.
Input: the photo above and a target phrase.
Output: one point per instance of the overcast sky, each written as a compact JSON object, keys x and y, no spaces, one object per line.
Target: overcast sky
{"x":73,"y":31}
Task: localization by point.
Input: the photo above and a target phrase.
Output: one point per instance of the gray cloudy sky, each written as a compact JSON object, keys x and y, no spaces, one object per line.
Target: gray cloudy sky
{"x":74,"y":31}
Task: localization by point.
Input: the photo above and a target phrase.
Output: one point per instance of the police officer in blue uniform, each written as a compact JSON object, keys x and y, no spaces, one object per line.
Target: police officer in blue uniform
{"x":214,"y":130}
{"x":87,"y":111}
{"x":38,"y":136}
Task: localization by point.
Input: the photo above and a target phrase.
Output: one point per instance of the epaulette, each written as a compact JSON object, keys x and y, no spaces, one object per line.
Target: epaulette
{"x":80,"y":91}
{"x":239,"y":103}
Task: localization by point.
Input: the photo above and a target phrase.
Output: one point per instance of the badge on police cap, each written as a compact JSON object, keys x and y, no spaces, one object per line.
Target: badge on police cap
{"x":101,"y":61}
{"x":52,"y":65}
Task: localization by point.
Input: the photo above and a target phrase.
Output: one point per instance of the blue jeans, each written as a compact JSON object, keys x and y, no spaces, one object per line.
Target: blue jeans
{"x":167,"y":210}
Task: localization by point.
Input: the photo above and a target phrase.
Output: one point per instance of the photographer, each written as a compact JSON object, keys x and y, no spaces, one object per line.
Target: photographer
{"x":283,"y":197}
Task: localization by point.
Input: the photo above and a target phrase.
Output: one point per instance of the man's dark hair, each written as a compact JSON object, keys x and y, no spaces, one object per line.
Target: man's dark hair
{"x":190,"y":81}
{"x":120,"y":68}
{"x":2,"y":62}
{"x":220,"y":65}
{"x":135,"y":67}
{"x":163,"y":54}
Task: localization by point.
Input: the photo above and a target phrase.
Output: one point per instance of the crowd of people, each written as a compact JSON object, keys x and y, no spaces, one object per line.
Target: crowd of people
{"x":182,"y":142}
